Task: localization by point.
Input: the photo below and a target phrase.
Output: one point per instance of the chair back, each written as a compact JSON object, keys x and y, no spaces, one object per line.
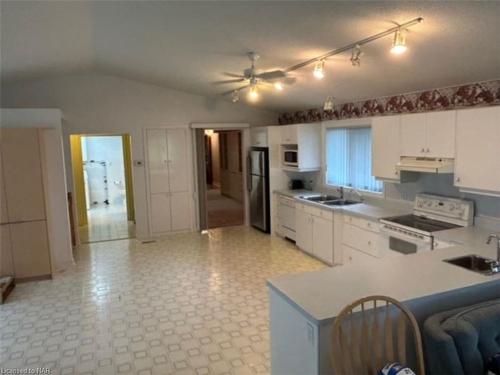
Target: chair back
{"x":372,"y":332}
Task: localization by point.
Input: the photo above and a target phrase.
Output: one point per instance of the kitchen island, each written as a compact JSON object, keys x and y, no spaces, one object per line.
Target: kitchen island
{"x":304,"y":306}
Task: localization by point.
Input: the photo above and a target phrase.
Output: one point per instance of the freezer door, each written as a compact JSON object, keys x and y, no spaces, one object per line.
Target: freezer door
{"x":257,"y":163}
{"x":258,"y":206}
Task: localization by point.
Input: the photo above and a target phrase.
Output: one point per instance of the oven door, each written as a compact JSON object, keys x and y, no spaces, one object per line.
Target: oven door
{"x":403,"y":242}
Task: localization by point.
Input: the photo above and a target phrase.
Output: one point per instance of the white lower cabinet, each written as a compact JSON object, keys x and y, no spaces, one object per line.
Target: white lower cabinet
{"x":360,"y":240}
{"x":314,"y":232}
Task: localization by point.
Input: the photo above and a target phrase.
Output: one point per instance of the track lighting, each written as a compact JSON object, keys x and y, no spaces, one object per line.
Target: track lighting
{"x":253,"y":94}
{"x":319,"y":69}
{"x":328,"y":106}
{"x":235,"y":96}
{"x":278,"y":86}
{"x":356,"y":56}
{"x":399,"y":43}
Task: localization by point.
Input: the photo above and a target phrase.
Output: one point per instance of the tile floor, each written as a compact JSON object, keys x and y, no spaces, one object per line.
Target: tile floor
{"x":107,"y":223}
{"x":188,"y":304}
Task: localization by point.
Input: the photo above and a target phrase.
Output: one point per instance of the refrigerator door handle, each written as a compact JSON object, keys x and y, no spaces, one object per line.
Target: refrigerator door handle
{"x":249,"y":173}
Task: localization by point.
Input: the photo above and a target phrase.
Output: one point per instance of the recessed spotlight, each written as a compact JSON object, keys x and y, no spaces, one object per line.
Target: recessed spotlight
{"x":319,"y":69}
{"x":399,"y":43}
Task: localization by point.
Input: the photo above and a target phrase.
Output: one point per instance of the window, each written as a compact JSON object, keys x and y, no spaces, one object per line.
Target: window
{"x":349,"y":159}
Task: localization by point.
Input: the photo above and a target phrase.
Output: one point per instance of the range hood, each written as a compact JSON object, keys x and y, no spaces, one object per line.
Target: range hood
{"x":427,"y":165}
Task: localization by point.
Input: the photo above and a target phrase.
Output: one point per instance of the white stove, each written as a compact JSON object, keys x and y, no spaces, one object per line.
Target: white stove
{"x":431,"y":213}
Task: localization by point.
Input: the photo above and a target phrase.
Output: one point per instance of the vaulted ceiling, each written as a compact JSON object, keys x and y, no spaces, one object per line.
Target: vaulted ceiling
{"x":187,"y":45}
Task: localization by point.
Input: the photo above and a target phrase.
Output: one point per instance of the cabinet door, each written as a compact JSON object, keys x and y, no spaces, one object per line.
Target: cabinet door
{"x":303,"y":230}
{"x":161,"y":220}
{"x":178,"y":160}
{"x":477,"y":164}
{"x":6,"y":266}
{"x":413,"y":134}
{"x":289,"y":135}
{"x":323,"y":239}
{"x":441,"y":134}
{"x":258,"y":136}
{"x":22,"y":173}
{"x":181,"y":211}
{"x":30,"y":249}
{"x":157,"y":160}
{"x":385,"y":147}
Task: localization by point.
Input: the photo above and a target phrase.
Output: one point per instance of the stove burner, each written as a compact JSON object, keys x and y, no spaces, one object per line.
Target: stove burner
{"x":422,"y":223}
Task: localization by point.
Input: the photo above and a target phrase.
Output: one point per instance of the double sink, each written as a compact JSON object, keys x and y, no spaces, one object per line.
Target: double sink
{"x":328,"y":200}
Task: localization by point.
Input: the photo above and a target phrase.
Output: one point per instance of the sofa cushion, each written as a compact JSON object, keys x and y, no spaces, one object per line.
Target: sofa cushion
{"x":462,"y":341}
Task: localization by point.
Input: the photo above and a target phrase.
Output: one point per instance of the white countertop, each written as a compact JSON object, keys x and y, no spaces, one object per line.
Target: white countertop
{"x":322,"y":294}
{"x":370,"y":210}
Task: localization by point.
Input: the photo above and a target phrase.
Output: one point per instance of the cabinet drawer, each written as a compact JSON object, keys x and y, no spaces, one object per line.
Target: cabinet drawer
{"x":359,"y":222}
{"x":353,"y":256}
{"x":360,"y":239}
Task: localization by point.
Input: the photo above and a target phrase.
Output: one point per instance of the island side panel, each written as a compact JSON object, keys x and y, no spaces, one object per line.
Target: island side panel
{"x":294,"y":338}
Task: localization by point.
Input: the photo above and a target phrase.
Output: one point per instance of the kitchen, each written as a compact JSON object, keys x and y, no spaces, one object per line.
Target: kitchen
{"x":365,"y":234}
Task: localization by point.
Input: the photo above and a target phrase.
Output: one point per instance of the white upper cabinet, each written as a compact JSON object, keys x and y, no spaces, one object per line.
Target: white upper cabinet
{"x":177,"y":160}
{"x":385,"y":147}
{"x":289,"y":134}
{"x":477,"y":164}
{"x":157,"y":161}
{"x":258,"y":136}
{"x":413,"y":135}
{"x":428,"y":134}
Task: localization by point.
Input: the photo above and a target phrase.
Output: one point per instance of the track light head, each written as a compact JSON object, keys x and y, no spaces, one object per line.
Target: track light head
{"x":356,"y":55}
{"x":319,"y":69}
{"x":235,"y":96}
{"x":399,"y":44}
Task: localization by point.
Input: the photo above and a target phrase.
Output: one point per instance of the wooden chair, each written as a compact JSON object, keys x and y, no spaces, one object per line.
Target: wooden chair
{"x":372,"y":332}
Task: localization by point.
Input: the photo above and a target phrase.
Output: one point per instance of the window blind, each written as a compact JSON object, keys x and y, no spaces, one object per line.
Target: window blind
{"x":349,"y":159}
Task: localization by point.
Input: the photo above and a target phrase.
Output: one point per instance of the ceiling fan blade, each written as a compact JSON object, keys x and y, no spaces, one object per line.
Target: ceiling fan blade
{"x":234,"y":75}
{"x":228,"y":81}
{"x":273,"y":74}
{"x":289,"y":80}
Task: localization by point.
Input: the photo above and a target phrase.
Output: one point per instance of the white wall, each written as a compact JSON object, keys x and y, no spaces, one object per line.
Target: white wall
{"x":58,"y":225}
{"x":94,"y":103}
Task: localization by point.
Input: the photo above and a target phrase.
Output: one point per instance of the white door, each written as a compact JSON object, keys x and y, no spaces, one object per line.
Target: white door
{"x":322,"y":237}
{"x":157,"y":160}
{"x":303,"y":230}
{"x":385,"y":147}
{"x":181,"y":211}
{"x":177,"y":160}
{"x":441,"y":134}
{"x":161,"y":221}
{"x":477,"y":163}
{"x":413,"y":134}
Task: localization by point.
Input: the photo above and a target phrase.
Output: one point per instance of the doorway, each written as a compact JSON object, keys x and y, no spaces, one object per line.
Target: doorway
{"x":223,"y":180}
{"x":102,"y":176}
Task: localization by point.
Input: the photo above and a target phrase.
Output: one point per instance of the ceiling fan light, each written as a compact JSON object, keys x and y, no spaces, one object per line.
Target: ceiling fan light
{"x":235,"y":96}
{"x":319,"y":70}
{"x":278,"y":86}
{"x":253,"y":94}
{"x":399,"y":43}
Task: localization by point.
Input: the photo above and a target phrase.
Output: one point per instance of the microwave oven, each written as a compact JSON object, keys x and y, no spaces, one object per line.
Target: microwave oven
{"x":290,"y":157}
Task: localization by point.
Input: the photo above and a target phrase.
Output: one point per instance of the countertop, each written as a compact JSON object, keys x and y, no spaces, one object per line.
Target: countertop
{"x":322,"y":294}
{"x":374,"y":209}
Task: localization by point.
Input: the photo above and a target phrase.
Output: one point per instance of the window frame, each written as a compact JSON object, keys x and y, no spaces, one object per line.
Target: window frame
{"x":345,"y":124}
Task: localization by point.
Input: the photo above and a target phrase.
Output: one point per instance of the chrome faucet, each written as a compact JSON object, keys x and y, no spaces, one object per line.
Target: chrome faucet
{"x":355,"y":191}
{"x":341,"y":191}
{"x":497,"y":237}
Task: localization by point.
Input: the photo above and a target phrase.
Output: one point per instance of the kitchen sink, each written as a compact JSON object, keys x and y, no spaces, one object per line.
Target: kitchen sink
{"x":320,"y":198}
{"x":476,"y":263}
{"x":340,"y":202}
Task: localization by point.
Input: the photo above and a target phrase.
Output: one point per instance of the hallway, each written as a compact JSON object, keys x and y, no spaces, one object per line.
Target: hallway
{"x":106,"y":223}
{"x":223,"y":211}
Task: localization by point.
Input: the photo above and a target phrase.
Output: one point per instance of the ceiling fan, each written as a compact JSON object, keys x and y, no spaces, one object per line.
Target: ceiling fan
{"x":251,"y":77}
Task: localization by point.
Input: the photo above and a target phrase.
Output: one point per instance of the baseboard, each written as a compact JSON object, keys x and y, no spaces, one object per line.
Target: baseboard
{"x":21,"y":280}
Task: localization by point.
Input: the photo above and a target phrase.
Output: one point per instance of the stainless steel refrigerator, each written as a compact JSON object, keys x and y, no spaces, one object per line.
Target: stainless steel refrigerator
{"x":258,"y":187}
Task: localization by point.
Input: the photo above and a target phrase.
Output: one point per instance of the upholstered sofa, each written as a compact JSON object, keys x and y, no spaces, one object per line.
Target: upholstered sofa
{"x":461,"y":341}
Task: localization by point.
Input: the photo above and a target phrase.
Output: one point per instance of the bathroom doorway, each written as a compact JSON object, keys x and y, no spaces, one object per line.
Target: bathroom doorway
{"x":102,"y":176}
